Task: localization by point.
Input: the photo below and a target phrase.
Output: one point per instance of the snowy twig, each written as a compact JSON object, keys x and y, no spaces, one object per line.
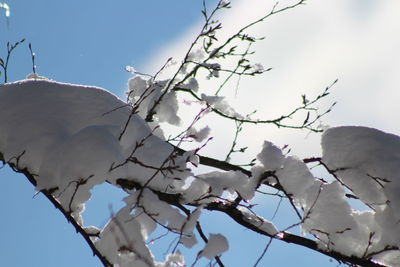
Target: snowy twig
{"x":152,"y":110}
{"x":208,"y":33}
{"x":307,"y":124}
{"x":33,"y":58}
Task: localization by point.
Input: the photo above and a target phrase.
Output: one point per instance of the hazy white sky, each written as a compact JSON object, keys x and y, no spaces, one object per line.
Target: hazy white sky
{"x":309,"y":47}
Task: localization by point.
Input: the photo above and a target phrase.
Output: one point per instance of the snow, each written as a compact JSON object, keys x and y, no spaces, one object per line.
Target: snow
{"x":223,"y":3}
{"x":360,"y":154}
{"x":234,"y":182}
{"x":6,"y":8}
{"x":73,"y":137}
{"x":188,"y":238}
{"x":259,"y":222}
{"x":147,"y":92}
{"x":198,"y":135}
{"x":211,"y":186}
{"x":271,"y":156}
{"x":92,"y":230}
{"x":219,"y":103}
{"x":173,"y":260}
{"x":198,"y":192}
{"x":216,"y":245}
{"x":367,"y":161}
{"x":191,"y":84}
{"x":190,"y":224}
{"x":122,"y":236}
{"x":297,"y":180}
{"x":68,"y":135}
{"x":35,"y":76}
{"x":364,"y":161}
{"x":135,"y":222}
{"x":51,"y":113}
{"x":197,"y":55}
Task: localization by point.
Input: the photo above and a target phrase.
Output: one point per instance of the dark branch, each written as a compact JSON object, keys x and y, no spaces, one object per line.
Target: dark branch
{"x":234,"y":213}
{"x":79,"y":228}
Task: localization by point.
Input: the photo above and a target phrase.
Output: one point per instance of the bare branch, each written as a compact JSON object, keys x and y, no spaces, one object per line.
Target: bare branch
{"x":4,"y":63}
{"x":67,"y":214}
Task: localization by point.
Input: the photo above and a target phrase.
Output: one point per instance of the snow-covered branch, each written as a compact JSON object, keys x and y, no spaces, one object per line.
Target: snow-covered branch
{"x":156,"y":176}
{"x":67,"y":139}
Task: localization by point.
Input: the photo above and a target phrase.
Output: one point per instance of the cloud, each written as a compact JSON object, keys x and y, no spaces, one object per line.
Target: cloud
{"x":308,"y":48}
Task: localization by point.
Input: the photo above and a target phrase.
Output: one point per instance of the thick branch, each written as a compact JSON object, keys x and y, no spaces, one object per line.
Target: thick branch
{"x":230,"y":210}
{"x":219,"y":164}
{"x":233,"y":212}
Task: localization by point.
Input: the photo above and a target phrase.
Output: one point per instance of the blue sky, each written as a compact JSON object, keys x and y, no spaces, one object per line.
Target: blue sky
{"x":90,"y":42}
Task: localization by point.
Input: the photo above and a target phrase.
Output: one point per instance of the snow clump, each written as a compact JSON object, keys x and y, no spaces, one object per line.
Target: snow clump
{"x":365,"y":164}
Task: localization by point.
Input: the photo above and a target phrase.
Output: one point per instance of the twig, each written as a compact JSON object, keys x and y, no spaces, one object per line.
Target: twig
{"x":79,"y":229}
{"x":4,"y":63}
{"x":33,"y":59}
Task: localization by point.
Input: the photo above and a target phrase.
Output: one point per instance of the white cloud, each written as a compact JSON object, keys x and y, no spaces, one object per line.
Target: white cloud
{"x":308,"y":48}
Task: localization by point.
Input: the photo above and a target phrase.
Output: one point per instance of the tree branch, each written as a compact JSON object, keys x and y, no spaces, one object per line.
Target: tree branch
{"x":234,"y":213}
{"x":79,"y":228}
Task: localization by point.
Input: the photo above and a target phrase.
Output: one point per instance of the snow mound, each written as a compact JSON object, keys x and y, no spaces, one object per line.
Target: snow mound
{"x":73,"y":137}
{"x":367,"y":161}
{"x":216,"y":245}
{"x":365,"y":165}
{"x":150,"y":93}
